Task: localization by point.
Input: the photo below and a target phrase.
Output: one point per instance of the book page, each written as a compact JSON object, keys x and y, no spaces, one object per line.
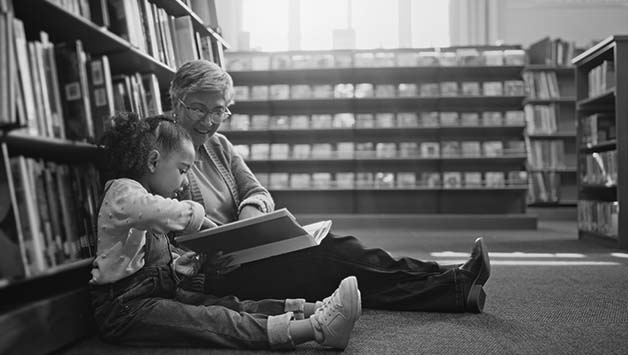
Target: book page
{"x":318,"y":230}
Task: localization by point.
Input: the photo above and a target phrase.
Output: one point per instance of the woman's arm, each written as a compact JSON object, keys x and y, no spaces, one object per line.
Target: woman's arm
{"x":253,"y":196}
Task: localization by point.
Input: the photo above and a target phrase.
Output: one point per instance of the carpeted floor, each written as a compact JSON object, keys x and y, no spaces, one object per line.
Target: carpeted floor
{"x":549,"y":293}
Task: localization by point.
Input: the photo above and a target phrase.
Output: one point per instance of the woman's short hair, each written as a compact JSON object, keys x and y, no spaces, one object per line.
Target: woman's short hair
{"x":200,"y":75}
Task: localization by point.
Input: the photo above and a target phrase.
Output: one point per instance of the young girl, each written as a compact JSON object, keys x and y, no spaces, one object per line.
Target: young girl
{"x":136,"y":273}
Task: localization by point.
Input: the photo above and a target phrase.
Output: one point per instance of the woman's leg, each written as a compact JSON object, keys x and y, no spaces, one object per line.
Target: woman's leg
{"x":385,"y":282}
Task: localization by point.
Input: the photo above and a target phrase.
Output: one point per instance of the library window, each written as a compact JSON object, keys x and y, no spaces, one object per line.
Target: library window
{"x":376,"y":23}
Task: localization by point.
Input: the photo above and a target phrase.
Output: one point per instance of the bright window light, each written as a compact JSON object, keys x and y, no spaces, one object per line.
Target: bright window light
{"x":375,"y":22}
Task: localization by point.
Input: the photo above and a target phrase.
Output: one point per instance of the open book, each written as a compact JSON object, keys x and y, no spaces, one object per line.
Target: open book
{"x":257,"y":238}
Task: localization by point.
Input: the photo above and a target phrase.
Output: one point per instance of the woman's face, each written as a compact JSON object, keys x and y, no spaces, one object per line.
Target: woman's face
{"x":194,"y":114}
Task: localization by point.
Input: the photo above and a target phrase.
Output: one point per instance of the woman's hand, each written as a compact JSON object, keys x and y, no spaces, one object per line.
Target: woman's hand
{"x":249,"y":211}
{"x":188,"y":264}
{"x":218,"y":264}
{"x":208,"y":223}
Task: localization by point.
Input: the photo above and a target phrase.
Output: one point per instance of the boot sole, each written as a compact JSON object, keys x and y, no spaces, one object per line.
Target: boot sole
{"x":477,"y":295}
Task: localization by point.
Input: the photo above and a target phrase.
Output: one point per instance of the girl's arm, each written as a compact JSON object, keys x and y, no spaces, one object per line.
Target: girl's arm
{"x":134,"y":207}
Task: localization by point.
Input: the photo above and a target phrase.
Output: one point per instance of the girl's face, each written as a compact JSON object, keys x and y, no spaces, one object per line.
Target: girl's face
{"x":194,"y":113}
{"x":168,"y":174}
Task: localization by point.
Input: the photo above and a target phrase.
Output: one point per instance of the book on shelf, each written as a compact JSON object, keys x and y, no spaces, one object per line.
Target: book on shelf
{"x":13,"y":258}
{"x":243,"y":150}
{"x":257,"y":238}
{"x":449,"y":119}
{"x":279,"y":92}
{"x":301,"y":151}
{"x":185,"y":39}
{"x":469,"y":56}
{"x":259,"y":122}
{"x":493,"y":57}
{"x":493,"y":88}
{"x":470,"y":88}
{"x":322,"y":91}
{"x":241,"y":93}
{"x":493,"y":148}
{"x":71,"y":61}
{"x":601,"y":78}
{"x":322,"y":150}
{"x":470,"y":149}
{"x":407,"y":90}
{"x":260,"y":62}
{"x":385,"y":150}
{"x":343,"y":120}
{"x":385,"y":120}
{"x":472,"y":179}
{"x":239,"y":122}
{"x":430,"y":119}
{"x":279,"y":151}
{"x":343,"y":91}
{"x":495,"y":179}
{"x":470,"y":119}
{"x":549,"y":51}
{"x":431,"y":179}
{"x":450,"y":149}
{"x":260,"y":151}
{"x":407,"y":119}
{"x":514,"y":57}
{"x":279,"y":180}
{"x":449,"y":88}
{"x":408,"y":149}
{"x":363,"y":90}
{"x":429,"y":90}
{"x":365,"y":120}
{"x":406,"y":179}
{"x":300,"y":91}
{"x":321,"y":180}
{"x":101,"y":89}
{"x":385,"y":90}
{"x":300,"y":180}
{"x":452,"y":179}
{"x":279,"y":122}
{"x":321,"y":121}
{"x":345,"y":180}
{"x":259,"y":92}
{"x":345,"y":150}
{"x":364,"y":149}
{"x":384,"y":180}
{"x":430,"y":150}
{"x":299,"y":122}
{"x":492,"y":118}
{"x":364,"y":179}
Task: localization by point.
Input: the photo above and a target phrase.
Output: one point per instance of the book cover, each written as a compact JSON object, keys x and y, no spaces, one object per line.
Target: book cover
{"x":279,"y":122}
{"x":257,"y":238}
{"x":13,"y":261}
{"x":101,"y":88}
{"x":406,"y":179}
{"x":343,"y":91}
{"x":300,"y":180}
{"x":452,"y":179}
{"x":363,"y":90}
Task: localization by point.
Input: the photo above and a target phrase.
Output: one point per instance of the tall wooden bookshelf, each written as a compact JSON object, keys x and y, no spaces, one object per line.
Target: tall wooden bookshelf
{"x":51,"y":302}
{"x":551,"y":137}
{"x":601,"y":89}
{"x":386,"y":191}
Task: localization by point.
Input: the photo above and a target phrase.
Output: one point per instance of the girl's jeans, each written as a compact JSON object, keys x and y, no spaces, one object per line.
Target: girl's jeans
{"x":148,"y":309}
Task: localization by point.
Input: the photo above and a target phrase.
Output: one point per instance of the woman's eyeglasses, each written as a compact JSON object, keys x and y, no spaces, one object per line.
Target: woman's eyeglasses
{"x":216,"y":115}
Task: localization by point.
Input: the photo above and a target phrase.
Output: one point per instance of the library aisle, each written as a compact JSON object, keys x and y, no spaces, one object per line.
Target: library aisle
{"x":549,"y":293}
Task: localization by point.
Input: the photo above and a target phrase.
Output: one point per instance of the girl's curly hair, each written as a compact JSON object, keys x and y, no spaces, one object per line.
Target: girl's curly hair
{"x":130,"y":139}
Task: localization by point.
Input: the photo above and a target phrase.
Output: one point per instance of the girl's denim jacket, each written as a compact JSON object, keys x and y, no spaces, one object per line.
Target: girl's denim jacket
{"x":243,"y":185}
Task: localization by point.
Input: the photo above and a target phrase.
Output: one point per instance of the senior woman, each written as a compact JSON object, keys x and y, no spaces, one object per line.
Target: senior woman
{"x":201,"y":93}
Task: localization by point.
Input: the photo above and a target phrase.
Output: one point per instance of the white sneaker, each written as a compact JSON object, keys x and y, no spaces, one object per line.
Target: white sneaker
{"x":334,"y":320}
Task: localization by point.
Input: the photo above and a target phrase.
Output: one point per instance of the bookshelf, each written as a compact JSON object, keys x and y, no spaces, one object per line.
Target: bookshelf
{"x":601,"y":111}
{"x":551,"y":127}
{"x":384,"y":131}
{"x":47,"y":235}
{"x":551,"y":135}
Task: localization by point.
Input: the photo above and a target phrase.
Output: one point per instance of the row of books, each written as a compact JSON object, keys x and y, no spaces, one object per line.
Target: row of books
{"x":147,"y":27}
{"x":368,"y":90}
{"x":597,"y":128}
{"x":599,"y":217}
{"x":547,"y":51}
{"x":240,"y":122}
{"x":371,"y":59}
{"x":541,"y":85}
{"x":599,"y":168}
{"x":60,"y":91}
{"x":546,"y":154}
{"x":601,"y":78}
{"x":542,"y":119}
{"x":380,"y":150}
{"x":544,"y":187}
{"x":49,"y":214}
{"x":435,"y":180}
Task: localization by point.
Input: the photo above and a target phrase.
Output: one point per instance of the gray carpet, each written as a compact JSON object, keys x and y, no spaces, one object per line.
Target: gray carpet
{"x":574,"y":302}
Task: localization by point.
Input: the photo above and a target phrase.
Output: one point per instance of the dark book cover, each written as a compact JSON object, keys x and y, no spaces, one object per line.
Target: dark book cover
{"x":256,"y":238}
{"x":75,"y":104}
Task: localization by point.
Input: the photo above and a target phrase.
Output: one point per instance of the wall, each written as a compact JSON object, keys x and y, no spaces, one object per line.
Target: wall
{"x":582,"y":21}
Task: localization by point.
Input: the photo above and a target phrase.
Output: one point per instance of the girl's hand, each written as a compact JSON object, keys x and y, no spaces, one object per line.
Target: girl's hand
{"x":218,"y":264}
{"x":188,"y":264}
